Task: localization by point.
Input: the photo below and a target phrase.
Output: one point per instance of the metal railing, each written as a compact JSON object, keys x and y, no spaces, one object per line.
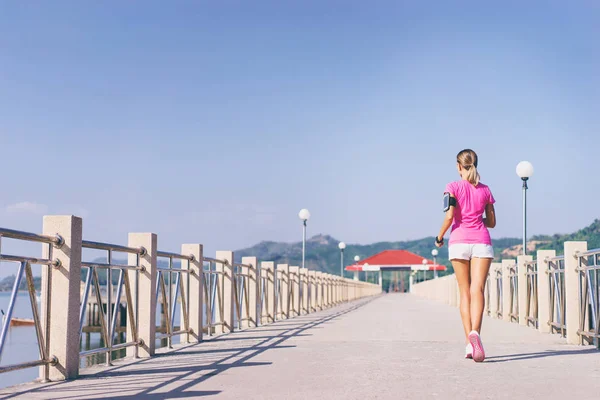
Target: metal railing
{"x":556,"y":274}
{"x":513,"y":313}
{"x":499,"y":291}
{"x":241,"y":285}
{"x":264,"y":313}
{"x":108,"y":319}
{"x":41,"y":325}
{"x":213,"y":297}
{"x":531,"y":311}
{"x":169,"y":295}
{"x":589,"y":296}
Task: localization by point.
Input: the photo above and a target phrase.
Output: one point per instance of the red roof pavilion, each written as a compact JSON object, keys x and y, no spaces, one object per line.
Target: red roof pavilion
{"x":395,"y":260}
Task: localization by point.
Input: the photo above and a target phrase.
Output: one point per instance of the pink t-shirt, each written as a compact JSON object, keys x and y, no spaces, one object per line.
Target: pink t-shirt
{"x":471,"y":201}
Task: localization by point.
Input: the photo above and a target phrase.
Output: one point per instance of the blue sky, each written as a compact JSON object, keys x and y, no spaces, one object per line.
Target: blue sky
{"x":215,"y":122}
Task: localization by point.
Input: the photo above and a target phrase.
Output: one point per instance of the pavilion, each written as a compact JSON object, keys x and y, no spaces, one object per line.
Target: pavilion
{"x":394,"y":261}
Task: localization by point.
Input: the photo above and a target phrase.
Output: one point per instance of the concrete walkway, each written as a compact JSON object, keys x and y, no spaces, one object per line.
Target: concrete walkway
{"x":391,"y":347}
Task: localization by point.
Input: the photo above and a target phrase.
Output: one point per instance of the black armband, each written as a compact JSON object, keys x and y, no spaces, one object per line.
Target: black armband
{"x":449,"y":201}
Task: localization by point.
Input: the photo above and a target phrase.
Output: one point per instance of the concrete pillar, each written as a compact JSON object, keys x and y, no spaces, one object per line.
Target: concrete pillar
{"x":320,"y":302}
{"x":572,"y":317}
{"x":251,"y":314}
{"x":327,"y":290}
{"x":269,"y":307}
{"x":356,"y":275}
{"x":506,"y":311}
{"x":196,"y":287}
{"x":295,"y":289}
{"x":284,"y":282}
{"x":493,"y":288}
{"x":146,"y":293}
{"x":522,"y":287}
{"x":63,"y":327}
{"x":543,"y":282}
{"x":304,"y":283}
{"x":312,"y":276}
{"x":227,"y":292}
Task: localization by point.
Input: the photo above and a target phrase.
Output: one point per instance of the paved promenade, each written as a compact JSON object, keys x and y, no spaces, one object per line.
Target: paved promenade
{"x":391,"y":347}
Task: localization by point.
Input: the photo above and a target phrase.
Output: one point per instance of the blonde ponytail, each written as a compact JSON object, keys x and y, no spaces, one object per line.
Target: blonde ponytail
{"x":468,"y":160}
{"x":472,"y":174}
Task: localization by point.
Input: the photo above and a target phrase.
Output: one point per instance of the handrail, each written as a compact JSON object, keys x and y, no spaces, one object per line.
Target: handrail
{"x":112,"y":247}
{"x":55,"y":240}
{"x":214,"y":260}
{"x":588,"y":253}
{"x":167,"y":254}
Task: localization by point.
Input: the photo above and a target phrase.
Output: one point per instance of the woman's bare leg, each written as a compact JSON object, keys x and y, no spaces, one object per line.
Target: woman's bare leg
{"x":479,"y":272}
{"x":461,"y":271}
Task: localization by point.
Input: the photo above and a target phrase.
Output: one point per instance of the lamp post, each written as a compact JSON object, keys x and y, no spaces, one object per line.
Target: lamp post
{"x":525,"y":171}
{"x":342,"y":246}
{"x":356,"y":259}
{"x":304,"y":215}
{"x":424,"y":270}
{"x":434,"y":253}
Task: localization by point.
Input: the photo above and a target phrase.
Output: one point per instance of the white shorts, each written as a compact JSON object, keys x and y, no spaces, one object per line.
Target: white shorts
{"x":466,"y":251}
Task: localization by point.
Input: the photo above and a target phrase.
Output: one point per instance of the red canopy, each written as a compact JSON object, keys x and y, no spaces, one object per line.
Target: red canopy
{"x":395,"y":260}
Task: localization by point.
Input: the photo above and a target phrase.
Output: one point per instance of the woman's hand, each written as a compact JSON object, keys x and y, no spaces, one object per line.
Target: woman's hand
{"x":439,"y":244}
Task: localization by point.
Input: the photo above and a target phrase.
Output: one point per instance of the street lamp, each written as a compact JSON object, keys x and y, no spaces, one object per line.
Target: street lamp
{"x":356,"y":259}
{"x":434,"y":253}
{"x":342,"y":246}
{"x":424,"y":270}
{"x":525,"y":171}
{"x":304,"y":215}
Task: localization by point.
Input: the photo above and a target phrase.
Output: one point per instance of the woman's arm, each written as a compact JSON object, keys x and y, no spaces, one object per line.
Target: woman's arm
{"x":446,"y":224}
{"x":490,"y":216}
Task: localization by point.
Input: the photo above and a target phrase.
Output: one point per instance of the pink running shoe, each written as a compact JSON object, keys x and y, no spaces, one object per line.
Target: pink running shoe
{"x":469,"y":351}
{"x":478,"y":353}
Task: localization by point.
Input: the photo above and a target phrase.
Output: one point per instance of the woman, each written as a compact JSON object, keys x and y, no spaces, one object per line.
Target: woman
{"x":470,"y":246}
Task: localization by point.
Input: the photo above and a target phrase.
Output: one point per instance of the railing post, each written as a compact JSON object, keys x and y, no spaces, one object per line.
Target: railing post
{"x":195,"y":282}
{"x":304,"y":283}
{"x":284,"y":291}
{"x":493,"y":288}
{"x":319,"y":294}
{"x":60,"y":291}
{"x":146,"y":298}
{"x":572,"y":312}
{"x":327,"y":286}
{"x":543,"y":289}
{"x":312,"y":281}
{"x":295,"y":291}
{"x":522,"y":287}
{"x":251,"y":320}
{"x":506,"y":311}
{"x":228,"y":302}
{"x":269,"y":307}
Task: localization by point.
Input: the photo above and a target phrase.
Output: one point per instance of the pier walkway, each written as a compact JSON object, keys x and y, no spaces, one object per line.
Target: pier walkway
{"x":386,"y":347}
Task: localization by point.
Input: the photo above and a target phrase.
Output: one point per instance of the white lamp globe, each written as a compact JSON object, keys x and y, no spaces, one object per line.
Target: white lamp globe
{"x":304,"y":214}
{"x":524,"y":170}
{"x":356,"y":258}
{"x":342,"y":245}
{"x":424,"y":261}
{"x":434,"y":252}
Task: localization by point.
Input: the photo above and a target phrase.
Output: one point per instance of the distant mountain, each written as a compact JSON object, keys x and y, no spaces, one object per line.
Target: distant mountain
{"x":590,"y":233}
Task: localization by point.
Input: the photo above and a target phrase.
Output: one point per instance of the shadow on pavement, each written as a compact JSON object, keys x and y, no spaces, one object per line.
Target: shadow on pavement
{"x":542,"y":354}
{"x":163,"y":373}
